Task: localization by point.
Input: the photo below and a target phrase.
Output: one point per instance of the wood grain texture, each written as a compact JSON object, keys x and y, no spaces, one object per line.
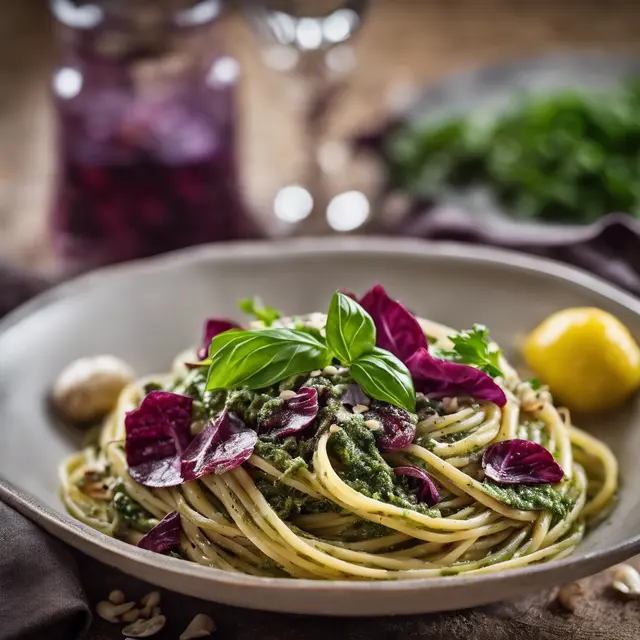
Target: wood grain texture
{"x":404,"y":43}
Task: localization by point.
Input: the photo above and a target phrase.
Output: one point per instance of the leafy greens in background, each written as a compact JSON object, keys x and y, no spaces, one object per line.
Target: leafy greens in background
{"x":565,"y":158}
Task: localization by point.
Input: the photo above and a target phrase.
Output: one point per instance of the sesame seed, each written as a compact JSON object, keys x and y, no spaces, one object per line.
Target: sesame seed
{"x":330,"y":370}
{"x":360,"y":408}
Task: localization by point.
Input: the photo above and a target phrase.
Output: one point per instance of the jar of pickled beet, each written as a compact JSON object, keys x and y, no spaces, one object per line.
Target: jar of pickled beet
{"x":145,"y":102}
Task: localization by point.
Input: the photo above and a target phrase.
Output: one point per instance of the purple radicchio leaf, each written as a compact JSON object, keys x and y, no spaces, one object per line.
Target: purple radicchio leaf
{"x":438,"y":379}
{"x":212,"y":328}
{"x":156,"y":435}
{"x":353,"y":395}
{"x":520,"y":462}
{"x":397,"y":330}
{"x":427,"y":491}
{"x":219,"y":447}
{"x":397,"y":430}
{"x":296,"y":415}
{"x":165,"y":536}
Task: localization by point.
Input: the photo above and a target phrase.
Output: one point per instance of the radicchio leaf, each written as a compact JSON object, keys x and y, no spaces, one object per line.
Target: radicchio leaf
{"x":439,"y":378}
{"x":165,"y":536}
{"x":427,"y":491}
{"x":397,"y":430}
{"x":397,"y":330}
{"x":520,"y":462}
{"x":156,"y":435}
{"x":221,"y":446}
{"x":212,"y":328}
{"x":353,"y":395}
{"x":296,"y":415}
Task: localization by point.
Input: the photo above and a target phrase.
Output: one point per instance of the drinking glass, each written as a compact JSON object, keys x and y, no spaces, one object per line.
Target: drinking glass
{"x":310,"y":39}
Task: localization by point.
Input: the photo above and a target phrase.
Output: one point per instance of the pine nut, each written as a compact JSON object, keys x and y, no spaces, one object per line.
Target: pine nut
{"x":111,"y":612}
{"x":626,"y":580}
{"x":116,"y":597}
{"x":569,"y":595}
{"x":200,"y":627}
{"x":360,"y":408}
{"x":148,"y":602}
{"x":315,"y":373}
{"x":130,"y":616}
{"x":330,"y":370}
{"x":144,"y":628}
{"x":334,"y":428}
{"x":287,"y":394}
{"x":374,"y":425}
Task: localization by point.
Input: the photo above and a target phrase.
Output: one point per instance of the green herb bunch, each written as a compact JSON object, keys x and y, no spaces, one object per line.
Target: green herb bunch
{"x":568,"y":157}
{"x":256,"y":359}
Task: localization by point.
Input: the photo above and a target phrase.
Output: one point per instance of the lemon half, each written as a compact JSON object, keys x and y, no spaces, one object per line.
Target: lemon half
{"x":587,"y":356}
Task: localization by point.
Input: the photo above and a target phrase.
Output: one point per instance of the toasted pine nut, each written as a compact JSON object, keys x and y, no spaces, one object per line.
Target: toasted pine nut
{"x":287,"y":394}
{"x":569,"y":594}
{"x":360,"y":408}
{"x":330,"y":370}
{"x":130,"y":616}
{"x":626,"y":580}
{"x":116,"y":597}
{"x":200,"y":627}
{"x":111,"y":612}
{"x":144,"y":628}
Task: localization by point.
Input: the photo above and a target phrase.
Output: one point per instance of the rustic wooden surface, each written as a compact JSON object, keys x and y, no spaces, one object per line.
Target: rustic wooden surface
{"x":404,"y":43}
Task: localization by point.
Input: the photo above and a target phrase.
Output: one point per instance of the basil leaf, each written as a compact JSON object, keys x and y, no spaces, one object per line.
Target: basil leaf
{"x":383,"y":377}
{"x":350,"y":329}
{"x":258,"y":359}
{"x":255,"y":307}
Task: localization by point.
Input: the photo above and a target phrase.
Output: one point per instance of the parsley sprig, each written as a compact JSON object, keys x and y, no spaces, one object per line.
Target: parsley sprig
{"x":474,"y":347}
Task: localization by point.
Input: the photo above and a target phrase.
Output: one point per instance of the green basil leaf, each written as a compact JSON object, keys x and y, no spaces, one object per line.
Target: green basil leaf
{"x":258,"y":359}
{"x":383,"y":377}
{"x":255,"y":307}
{"x":350,"y":329}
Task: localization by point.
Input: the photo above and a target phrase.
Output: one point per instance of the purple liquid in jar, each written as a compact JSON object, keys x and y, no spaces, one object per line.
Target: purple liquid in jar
{"x":147,"y":152}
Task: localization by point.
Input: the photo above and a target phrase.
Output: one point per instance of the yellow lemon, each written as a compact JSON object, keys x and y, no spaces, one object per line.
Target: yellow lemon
{"x":587,"y":357}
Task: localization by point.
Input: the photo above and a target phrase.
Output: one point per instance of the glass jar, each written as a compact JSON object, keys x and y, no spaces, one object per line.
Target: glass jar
{"x":146,"y":110}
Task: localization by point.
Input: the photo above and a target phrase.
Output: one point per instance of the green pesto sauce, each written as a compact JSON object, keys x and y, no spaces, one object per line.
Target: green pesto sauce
{"x":365,"y":530}
{"x":364,"y":469}
{"x":132,"y":515}
{"x":286,"y":501}
{"x":531,"y":497}
{"x":353,"y":448}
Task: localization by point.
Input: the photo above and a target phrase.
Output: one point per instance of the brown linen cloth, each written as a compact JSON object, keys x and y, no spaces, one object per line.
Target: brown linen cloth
{"x":40,"y":598}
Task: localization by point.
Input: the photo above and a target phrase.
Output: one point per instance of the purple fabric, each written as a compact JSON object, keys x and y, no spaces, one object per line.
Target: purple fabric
{"x":609,"y":248}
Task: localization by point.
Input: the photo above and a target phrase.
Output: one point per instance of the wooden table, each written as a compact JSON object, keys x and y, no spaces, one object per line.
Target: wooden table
{"x":404,"y":44}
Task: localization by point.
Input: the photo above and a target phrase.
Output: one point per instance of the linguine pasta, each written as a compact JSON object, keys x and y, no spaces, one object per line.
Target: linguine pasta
{"x":242,"y":520}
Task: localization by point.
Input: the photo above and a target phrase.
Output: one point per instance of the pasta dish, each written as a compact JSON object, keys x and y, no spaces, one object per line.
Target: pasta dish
{"x":364,"y":443}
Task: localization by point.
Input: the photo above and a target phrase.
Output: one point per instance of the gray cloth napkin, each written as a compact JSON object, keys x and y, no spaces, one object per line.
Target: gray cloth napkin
{"x":40,"y":594}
